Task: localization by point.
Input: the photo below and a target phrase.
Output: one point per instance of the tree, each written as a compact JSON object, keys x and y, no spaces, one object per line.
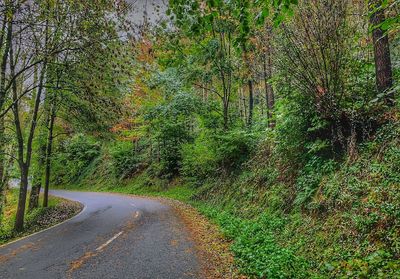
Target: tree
{"x":52,"y":31}
{"x":267,"y":73}
{"x":24,"y":156}
{"x":214,"y":28}
{"x":383,"y":64}
{"x":38,"y":171}
{"x":5,"y":41}
{"x":49,"y":149}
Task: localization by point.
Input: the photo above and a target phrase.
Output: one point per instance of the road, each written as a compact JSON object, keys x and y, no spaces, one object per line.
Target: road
{"x":115,"y":236}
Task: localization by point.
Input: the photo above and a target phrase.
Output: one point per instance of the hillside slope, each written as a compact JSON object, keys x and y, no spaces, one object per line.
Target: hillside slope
{"x":333,"y":218}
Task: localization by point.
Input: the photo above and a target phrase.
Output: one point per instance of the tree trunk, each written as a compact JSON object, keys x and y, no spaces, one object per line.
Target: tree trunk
{"x":251,"y":103}
{"x":38,"y":175}
{"x":244,"y":106}
{"x":48,"y":158}
{"x":383,"y":65}
{"x":226,"y":114}
{"x":37,"y":179}
{"x":269,"y":92}
{"x":2,"y":167}
{"x":4,"y":60}
{"x":241,"y":110}
{"x":19,"y":219}
{"x":24,"y":163}
{"x":3,"y":69}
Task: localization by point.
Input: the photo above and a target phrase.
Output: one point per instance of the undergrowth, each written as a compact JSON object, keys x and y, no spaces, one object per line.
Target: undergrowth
{"x":336,"y":219}
{"x":40,"y":218}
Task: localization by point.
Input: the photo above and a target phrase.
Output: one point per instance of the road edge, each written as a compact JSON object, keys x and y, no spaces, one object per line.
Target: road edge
{"x":212,"y":248}
{"x":48,"y":228}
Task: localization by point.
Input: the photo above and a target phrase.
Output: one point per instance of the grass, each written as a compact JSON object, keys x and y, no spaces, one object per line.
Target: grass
{"x":35,"y":220}
{"x":346,"y":227}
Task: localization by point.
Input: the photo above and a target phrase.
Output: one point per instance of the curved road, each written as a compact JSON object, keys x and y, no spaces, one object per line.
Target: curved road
{"x":115,"y":236}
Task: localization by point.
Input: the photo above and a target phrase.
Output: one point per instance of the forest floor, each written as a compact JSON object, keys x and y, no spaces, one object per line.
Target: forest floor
{"x":39,"y":219}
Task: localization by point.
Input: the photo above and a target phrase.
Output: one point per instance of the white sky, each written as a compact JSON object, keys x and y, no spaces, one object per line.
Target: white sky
{"x":152,"y":9}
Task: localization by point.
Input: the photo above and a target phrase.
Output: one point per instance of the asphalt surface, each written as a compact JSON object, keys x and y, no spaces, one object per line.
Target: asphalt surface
{"x":115,"y":236}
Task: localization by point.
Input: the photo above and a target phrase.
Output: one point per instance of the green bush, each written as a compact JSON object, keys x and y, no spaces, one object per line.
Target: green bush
{"x":213,"y":155}
{"x":198,"y":161}
{"x":380,"y":264}
{"x":73,"y":157}
{"x":233,"y":148}
{"x":310,"y":178}
{"x":291,"y":130}
{"x":124,"y":159}
{"x":257,"y":252}
{"x":171,"y":125}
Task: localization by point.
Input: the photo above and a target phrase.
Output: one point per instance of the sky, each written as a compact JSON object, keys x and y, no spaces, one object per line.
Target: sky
{"x":153,"y":10}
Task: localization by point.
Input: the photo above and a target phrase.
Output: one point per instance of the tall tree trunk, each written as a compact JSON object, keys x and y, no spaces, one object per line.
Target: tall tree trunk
{"x":244,"y":106}
{"x":3,"y":68}
{"x":2,"y":168}
{"x":266,"y":87}
{"x":48,"y":157}
{"x":250,"y":85}
{"x":37,"y":179}
{"x":26,"y":162}
{"x":226,"y":114}
{"x":38,"y":173}
{"x":225,"y":100}
{"x":225,"y":104}
{"x":25,"y":165}
{"x":383,"y":64}
{"x":269,"y":92}
{"x":19,"y":219}
{"x":4,"y":60}
{"x":251,"y":102}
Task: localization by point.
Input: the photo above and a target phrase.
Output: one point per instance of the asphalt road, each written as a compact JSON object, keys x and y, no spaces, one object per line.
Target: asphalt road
{"x":114,"y":236}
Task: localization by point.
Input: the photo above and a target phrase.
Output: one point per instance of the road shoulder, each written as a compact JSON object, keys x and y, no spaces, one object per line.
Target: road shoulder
{"x":43,"y":219}
{"x":212,"y":247}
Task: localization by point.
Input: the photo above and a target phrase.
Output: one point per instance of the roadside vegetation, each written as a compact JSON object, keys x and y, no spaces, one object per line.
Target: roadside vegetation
{"x":348,"y":227}
{"x":278,"y":120}
{"x":58,"y":210}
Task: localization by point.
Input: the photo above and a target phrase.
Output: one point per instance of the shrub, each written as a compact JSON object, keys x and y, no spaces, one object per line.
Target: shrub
{"x":232,"y":149}
{"x":198,"y":161}
{"x":257,"y":252}
{"x":73,"y":157}
{"x":310,"y":178}
{"x":124,"y":159}
{"x":171,"y":125}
